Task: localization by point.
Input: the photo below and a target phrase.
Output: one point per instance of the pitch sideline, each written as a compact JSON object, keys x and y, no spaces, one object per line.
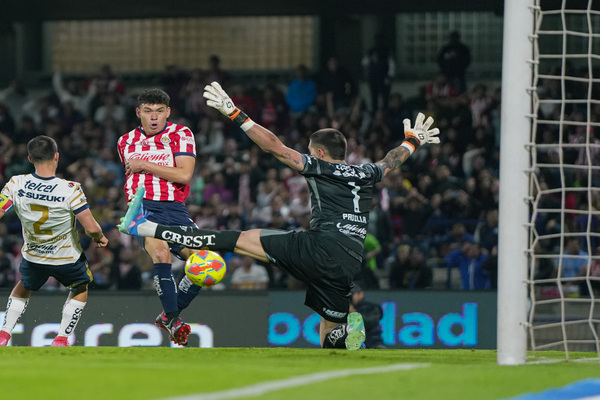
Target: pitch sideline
{"x":271,"y":386}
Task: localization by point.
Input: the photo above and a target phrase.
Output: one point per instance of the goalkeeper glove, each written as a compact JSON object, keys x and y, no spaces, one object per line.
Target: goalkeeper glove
{"x":217,"y":98}
{"x":420,"y":134}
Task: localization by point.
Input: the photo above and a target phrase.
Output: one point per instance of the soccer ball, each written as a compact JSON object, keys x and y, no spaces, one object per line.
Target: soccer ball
{"x":205,"y":268}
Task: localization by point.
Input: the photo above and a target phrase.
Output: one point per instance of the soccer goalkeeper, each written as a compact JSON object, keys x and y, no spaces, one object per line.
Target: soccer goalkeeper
{"x":326,"y":257}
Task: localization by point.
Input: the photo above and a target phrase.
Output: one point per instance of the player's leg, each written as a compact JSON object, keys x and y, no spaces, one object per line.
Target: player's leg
{"x":71,"y":313}
{"x":350,"y":335}
{"x":186,"y":290}
{"x":15,"y":307}
{"x":76,"y":278}
{"x":166,"y":288}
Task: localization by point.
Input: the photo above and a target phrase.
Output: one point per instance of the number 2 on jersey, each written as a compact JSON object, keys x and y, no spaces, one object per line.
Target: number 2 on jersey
{"x":356,"y":196}
{"x":37,"y":226}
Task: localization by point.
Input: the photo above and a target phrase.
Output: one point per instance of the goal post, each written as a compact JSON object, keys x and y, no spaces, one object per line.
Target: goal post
{"x":514,"y":190}
{"x":549,"y":228}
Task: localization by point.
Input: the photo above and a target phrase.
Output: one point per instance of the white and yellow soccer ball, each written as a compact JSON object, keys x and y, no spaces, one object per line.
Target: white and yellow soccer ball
{"x":205,"y":268}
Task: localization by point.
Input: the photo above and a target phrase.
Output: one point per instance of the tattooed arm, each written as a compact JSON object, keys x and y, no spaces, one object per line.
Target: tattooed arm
{"x":393,"y":159}
{"x":271,"y":144}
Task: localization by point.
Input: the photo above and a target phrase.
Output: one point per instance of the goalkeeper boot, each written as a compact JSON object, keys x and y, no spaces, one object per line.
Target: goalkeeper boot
{"x":4,"y":338}
{"x":60,"y":341}
{"x":177,"y":330}
{"x":356,"y":331}
{"x":135,"y":214}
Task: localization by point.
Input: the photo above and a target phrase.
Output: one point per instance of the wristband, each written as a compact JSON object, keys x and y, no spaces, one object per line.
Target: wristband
{"x":241,"y":119}
{"x":411,"y":144}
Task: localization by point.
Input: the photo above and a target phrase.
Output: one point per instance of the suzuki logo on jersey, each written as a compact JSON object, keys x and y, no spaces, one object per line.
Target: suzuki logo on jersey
{"x":39,"y":196}
{"x":40,"y":187}
{"x":189,"y":241}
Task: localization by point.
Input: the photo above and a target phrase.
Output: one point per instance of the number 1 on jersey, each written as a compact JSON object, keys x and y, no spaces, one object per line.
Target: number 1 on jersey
{"x":356,"y":196}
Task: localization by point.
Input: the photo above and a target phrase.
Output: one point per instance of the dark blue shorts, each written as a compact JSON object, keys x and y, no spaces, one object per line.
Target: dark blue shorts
{"x":34,"y":275}
{"x":167,"y":213}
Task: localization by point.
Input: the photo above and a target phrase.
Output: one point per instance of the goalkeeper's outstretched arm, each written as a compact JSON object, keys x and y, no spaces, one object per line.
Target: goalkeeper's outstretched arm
{"x":217,"y":98}
{"x":413,"y":138}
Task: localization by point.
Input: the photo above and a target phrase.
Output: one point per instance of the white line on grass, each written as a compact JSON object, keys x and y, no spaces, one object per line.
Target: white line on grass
{"x":271,"y":386}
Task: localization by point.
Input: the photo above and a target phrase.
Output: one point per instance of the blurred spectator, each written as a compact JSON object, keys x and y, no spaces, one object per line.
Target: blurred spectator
{"x":301,"y":204}
{"x":486,"y":233}
{"x":380,"y":68}
{"x":249,"y":276}
{"x":572,"y":263}
{"x":7,"y":278}
{"x":301,"y":92}
{"x":273,"y":113}
{"x":7,"y":122}
{"x":173,"y":80}
{"x":372,"y":314}
{"x":217,"y":186}
{"x":409,"y":271}
{"x":469,"y":259}
{"x":14,"y":97}
{"x":453,"y":59}
{"x":110,"y":109}
{"x":337,"y":86}
{"x":26,"y":131}
{"x":73,"y":93}
{"x":129,"y":274}
{"x":215,"y":73}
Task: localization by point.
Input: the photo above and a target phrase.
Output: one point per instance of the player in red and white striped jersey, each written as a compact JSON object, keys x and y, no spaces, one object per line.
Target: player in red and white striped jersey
{"x":160,"y":156}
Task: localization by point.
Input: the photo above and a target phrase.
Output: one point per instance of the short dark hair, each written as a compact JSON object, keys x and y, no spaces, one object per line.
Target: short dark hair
{"x":41,"y":148}
{"x":332,"y":141}
{"x":153,"y":96}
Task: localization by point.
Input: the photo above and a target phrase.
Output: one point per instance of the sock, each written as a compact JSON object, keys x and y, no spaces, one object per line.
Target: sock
{"x":70,"y":316}
{"x":14,"y":309}
{"x":195,"y":238}
{"x":186,"y":293}
{"x":336,"y":338}
{"x":147,"y":228}
{"x":165,"y":287}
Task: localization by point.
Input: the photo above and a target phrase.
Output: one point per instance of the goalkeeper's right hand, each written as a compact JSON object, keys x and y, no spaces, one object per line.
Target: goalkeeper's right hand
{"x":217,"y":98}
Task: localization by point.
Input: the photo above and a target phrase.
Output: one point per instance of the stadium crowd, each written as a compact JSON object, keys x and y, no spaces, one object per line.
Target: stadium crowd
{"x":436,"y":214}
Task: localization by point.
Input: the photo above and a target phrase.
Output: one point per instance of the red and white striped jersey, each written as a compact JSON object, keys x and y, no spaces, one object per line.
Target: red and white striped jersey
{"x":175,"y":140}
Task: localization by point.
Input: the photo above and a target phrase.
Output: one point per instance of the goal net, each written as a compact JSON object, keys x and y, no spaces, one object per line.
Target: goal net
{"x":563,"y":252}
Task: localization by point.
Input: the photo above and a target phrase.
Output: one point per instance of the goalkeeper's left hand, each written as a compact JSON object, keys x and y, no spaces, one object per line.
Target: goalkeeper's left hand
{"x":217,"y":98}
{"x":421,"y":131}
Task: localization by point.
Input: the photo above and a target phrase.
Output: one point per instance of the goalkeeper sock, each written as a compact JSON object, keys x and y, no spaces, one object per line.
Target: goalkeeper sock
{"x":194,"y":238}
{"x":165,"y":287}
{"x":70,"y":316}
{"x":336,"y":338}
{"x":14,"y":309}
{"x":186,"y":293}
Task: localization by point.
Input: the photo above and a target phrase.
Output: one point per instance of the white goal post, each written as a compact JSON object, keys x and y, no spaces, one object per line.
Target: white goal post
{"x":514,"y":161}
{"x":549,"y":229}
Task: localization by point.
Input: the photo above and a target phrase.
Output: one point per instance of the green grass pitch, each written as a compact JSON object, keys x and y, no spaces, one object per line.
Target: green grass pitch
{"x":160,"y":373}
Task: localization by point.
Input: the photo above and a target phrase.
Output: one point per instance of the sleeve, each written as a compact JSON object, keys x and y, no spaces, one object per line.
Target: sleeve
{"x":184,"y":143}
{"x":120,"y":149}
{"x":312,"y":166}
{"x":77,"y":200}
{"x":6,"y":202}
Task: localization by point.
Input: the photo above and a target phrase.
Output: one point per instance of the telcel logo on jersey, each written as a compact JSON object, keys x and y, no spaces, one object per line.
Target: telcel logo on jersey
{"x":419,"y":329}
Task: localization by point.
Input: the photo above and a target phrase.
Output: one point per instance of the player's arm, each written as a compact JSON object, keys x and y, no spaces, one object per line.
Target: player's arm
{"x":92,"y":227}
{"x":413,"y":138}
{"x":181,"y":173}
{"x":267,"y":140}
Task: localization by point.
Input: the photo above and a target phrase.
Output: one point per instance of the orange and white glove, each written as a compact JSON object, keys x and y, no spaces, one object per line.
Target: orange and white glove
{"x":217,"y":98}
{"x":420,"y":134}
